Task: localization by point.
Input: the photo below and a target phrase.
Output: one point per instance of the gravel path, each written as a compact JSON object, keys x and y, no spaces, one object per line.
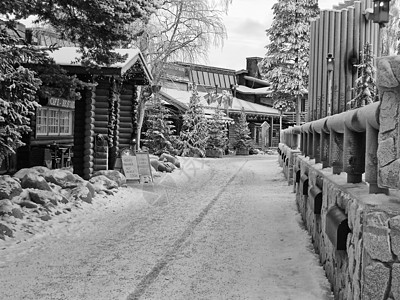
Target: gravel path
{"x":218,"y":229}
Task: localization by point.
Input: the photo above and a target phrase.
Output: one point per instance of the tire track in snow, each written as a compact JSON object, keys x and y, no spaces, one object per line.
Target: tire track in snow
{"x":153,"y":274}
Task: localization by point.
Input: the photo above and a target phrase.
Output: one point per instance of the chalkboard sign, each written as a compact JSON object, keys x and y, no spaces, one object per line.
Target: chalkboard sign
{"x":130,"y":167}
{"x":143,"y":164}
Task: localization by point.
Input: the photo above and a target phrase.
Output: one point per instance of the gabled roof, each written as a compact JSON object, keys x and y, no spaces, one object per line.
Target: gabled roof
{"x":66,"y":57}
{"x":182,"y":98}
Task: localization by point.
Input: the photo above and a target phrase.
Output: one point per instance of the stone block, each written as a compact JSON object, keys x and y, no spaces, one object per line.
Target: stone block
{"x":386,"y":152}
{"x":396,"y":281}
{"x":388,"y":176}
{"x":375,"y":281}
{"x":387,"y":67}
{"x":376,"y":236}
{"x":388,"y":113}
{"x":394,"y":225}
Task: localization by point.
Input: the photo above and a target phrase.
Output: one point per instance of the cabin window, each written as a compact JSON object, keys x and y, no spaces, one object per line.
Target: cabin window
{"x":53,"y":121}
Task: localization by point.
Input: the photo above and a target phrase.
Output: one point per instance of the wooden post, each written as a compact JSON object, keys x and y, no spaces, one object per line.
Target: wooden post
{"x":336,"y":54}
{"x":343,"y":61}
{"x":336,"y":151}
{"x":350,"y":55}
{"x":353,"y":155}
{"x":324,"y":78}
{"x":319,"y":75}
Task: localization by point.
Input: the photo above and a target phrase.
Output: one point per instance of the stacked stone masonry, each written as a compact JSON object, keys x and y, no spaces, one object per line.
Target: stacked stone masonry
{"x":362,"y":182}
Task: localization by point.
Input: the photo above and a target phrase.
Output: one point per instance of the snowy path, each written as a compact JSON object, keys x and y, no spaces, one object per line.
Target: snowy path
{"x":218,"y":229}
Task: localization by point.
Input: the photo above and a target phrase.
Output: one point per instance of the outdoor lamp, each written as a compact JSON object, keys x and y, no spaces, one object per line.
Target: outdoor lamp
{"x":380,"y":12}
{"x":330,"y":60}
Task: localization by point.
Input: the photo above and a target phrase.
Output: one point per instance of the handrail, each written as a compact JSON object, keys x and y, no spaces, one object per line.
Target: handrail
{"x":341,"y":142}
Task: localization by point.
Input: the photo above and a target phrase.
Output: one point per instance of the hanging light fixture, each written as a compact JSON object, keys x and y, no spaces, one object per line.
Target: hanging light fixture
{"x":379,"y":13}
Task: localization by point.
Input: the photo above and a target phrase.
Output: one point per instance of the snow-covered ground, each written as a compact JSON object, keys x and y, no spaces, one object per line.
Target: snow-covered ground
{"x":216,"y":229}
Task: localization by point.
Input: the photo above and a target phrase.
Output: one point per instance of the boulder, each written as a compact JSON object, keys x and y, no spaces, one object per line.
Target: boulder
{"x":81,"y":193}
{"x":158,"y":165}
{"x":171,"y":159}
{"x":9,"y":187}
{"x":6,"y":207}
{"x":17,"y":213}
{"x":44,"y":197}
{"x":35,"y":181}
{"x":104,"y":181}
{"x":21,"y":173}
{"x":114,"y":175}
{"x":63,"y":178}
{"x":27,"y":204}
{"x":5,"y":231}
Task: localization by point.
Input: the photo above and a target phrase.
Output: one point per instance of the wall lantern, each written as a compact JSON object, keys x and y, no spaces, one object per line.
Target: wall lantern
{"x":330,"y":60}
{"x":380,"y":12}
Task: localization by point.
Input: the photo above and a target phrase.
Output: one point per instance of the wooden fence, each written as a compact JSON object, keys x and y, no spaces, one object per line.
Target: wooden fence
{"x":341,"y":32}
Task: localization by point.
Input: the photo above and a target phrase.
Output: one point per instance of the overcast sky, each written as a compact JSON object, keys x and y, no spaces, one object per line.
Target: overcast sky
{"x":246,"y":23}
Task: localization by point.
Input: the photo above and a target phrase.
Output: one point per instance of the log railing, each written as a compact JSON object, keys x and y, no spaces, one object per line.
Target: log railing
{"x":346,"y":142}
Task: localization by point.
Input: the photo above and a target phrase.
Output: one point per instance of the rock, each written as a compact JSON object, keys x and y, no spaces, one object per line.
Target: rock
{"x":103,"y":181}
{"x":63,"y":178}
{"x":170,"y":166}
{"x":81,"y":193}
{"x":27,"y":204}
{"x":44,"y":197}
{"x":9,"y":187}
{"x":376,"y":280}
{"x":17,"y":213}
{"x":171,"y":159}
{"x":6,"y":207}
{"x":45,"y":218}
{"x":376,"y":236}
{"x":5,"y":231}
{"x":35,"y":181}
{"x":114,"y":175}
{"x":158,"y":165}
{"x":21,"y":173}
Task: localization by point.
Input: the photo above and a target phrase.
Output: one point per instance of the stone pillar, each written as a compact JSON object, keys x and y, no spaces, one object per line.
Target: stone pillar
{"x":371,"y":166}
{"x":388,"y":78}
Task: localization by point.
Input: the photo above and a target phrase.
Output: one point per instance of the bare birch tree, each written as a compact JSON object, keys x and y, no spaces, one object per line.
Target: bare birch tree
{"x":180,"y":30}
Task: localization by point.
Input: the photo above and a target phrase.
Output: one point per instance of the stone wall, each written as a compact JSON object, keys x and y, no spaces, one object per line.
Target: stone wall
{"x":369,"y":268}
{"x":389,"y":129}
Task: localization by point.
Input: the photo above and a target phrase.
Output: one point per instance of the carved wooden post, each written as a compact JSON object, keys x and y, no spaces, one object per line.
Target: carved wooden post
{"x":336,"y":127}
{"x":353,"y":155}
{"x":316,"y":146}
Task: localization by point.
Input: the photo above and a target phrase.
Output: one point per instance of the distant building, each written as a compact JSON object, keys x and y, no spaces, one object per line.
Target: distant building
{"x":246,"y":86}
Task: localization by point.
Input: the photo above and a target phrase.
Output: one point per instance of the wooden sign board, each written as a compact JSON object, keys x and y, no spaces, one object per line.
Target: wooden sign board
{"x":143,"y":164}
{"x":130,"y":167}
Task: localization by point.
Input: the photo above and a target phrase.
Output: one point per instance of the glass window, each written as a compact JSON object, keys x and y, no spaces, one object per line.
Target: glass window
{"x":65,"y":122}
{"x":41,"y":121}
{"x":53,"y":121}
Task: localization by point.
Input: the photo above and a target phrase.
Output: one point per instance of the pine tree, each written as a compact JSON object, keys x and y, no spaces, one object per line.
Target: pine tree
{"x":194,"y":134}
{"x":365,"y":88}
{"x":286,"y":62}
{"x":217,"y":131}
{"x":160,"y":128}
{"x":242,"y":131}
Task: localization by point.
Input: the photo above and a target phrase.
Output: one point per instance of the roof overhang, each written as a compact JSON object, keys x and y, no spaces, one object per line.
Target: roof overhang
{"x":67,"y":58}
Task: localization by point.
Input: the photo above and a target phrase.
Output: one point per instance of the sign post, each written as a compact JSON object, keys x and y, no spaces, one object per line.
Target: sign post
{"x":143,"y":164}
{"x":130,"y":167}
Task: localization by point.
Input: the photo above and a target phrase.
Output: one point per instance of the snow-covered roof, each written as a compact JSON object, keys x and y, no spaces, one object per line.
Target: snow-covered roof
{"x":259,"y":91}
{"x":183,"y":97}
{"x":67,"y":56}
